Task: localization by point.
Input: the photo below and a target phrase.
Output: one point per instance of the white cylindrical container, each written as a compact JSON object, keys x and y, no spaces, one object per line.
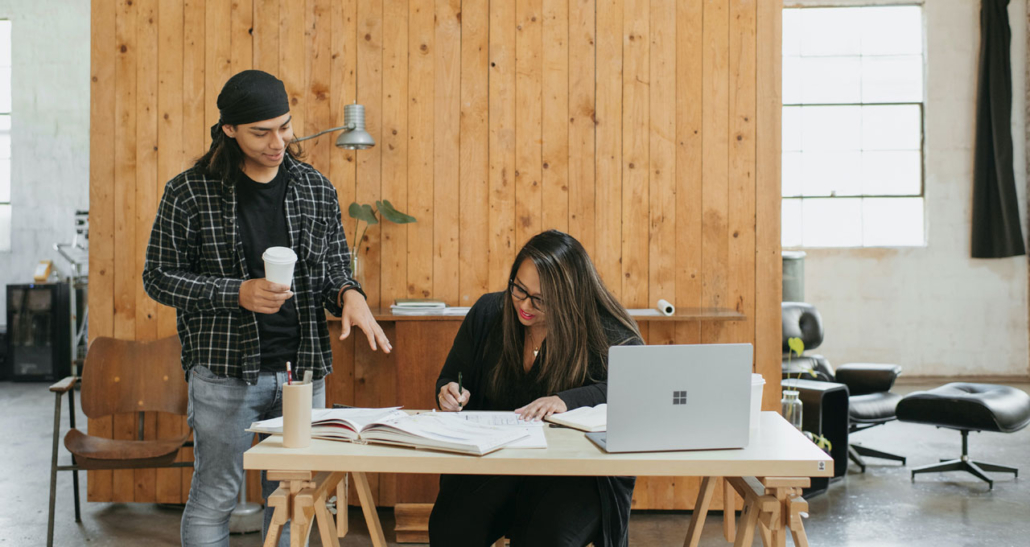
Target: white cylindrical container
{"x":757,"y":386}
{"x":665,"y":307}
{"x":279,"y":263}
{"x":297,"y":415}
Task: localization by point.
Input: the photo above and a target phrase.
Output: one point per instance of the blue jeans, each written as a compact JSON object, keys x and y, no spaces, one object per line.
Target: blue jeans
{"x":220,"y":409}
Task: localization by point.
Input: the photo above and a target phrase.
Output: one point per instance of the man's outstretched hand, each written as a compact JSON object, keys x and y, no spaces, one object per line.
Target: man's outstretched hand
{"x":357,"y":314}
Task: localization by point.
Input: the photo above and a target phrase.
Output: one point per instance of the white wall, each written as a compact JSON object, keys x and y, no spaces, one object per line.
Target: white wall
{"x":49,"y":133}
{"x":934,"y":310}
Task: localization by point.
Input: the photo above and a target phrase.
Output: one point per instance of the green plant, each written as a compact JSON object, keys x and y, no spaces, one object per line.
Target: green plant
{"x":797,"y":346}
{"x":364,"y":212}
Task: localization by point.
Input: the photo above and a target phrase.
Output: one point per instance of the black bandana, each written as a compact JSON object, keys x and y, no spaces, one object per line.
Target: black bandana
{"x":250,"y":96}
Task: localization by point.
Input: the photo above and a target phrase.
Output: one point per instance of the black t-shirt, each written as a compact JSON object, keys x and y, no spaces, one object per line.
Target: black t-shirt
{"x":262,"y":217}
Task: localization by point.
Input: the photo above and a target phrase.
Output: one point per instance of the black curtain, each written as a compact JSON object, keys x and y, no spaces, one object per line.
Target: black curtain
{"x":996,"y":228}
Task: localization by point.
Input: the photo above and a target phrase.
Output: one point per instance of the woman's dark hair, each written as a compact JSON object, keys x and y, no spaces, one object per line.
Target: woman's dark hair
{"x":579,"y":309}
{"x":224,"y":158}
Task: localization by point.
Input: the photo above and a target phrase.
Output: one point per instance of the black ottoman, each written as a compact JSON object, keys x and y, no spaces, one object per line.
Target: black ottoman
{"x":968,"y":407}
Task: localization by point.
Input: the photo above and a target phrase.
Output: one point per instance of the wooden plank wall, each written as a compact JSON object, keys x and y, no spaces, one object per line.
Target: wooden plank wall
{"x":648,"y":129}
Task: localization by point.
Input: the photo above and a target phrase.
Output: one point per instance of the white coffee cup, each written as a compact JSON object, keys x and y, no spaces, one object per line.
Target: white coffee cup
{"x":279,"y":263}
{"x":757,"y":387}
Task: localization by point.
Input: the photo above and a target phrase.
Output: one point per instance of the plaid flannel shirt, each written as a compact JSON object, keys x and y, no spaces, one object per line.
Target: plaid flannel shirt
{"x":195,"y":264}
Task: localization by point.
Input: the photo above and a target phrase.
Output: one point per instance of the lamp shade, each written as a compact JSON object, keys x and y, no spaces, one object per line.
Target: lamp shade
{"x":356,"y":138}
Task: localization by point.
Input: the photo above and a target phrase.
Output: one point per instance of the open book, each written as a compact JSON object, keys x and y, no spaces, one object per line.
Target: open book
{"x":429,"y":430}
{"x":584,"y":418}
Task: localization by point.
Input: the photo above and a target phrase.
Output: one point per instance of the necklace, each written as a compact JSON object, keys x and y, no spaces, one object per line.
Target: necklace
{"x":532,"y":339}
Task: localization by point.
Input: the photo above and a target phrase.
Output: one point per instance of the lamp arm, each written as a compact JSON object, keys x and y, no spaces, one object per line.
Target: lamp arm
{"x":320,"y":133}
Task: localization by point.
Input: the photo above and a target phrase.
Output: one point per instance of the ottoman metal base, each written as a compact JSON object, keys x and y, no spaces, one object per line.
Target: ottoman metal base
{"x":967,"y":465}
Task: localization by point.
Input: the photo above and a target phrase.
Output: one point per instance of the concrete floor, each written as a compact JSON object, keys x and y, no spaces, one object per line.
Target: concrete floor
{"x":879,"y":508}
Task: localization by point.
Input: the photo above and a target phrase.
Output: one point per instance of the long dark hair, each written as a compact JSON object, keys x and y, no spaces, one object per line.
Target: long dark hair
{"x":224,"y":158}
{"x":579,"y":308}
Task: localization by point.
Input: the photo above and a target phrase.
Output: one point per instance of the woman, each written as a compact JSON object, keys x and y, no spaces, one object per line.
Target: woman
{"x":539,"y":348}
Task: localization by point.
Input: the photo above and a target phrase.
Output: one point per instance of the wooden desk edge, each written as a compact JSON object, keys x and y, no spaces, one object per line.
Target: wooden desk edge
{"x":686,"y":314}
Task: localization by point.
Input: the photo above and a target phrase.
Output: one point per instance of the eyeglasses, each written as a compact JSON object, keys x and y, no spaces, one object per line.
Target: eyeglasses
{"x":521,"y":294}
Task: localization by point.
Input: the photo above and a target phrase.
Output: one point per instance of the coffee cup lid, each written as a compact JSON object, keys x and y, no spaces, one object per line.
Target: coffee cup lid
{"x":757,"y":379}
{"x":279,"y":255}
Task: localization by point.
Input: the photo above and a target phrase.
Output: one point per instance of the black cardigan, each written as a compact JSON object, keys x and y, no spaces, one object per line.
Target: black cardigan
{"x":475,"y":353}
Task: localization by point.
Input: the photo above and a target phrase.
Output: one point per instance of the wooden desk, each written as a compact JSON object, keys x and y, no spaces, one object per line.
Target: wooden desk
{"x":407,"y":378}
{"x":682,"y":314}
{"x":777,"y":450}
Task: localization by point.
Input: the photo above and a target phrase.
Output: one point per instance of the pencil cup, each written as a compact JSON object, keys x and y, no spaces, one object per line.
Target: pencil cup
{"x":297,"y":415}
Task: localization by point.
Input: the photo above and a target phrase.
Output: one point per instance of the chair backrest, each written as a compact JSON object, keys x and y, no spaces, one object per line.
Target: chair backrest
{"x":801,"y":320}
{"x":124,"y":376}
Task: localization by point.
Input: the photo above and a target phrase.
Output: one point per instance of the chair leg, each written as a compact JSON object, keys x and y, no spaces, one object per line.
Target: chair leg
{"x":53,"y":472}
{"x":975,"y":469}
{"x":75,"y":490}
{"x":75,"y":476}
{"x":873,"y":453}
{"x":853,"y":456}
{"x":997,"y":468}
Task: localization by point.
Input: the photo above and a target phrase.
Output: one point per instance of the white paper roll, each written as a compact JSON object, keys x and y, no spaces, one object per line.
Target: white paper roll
{"x":665,"y":307}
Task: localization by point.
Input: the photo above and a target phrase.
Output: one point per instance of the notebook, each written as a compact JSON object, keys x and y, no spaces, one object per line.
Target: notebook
{"x":443,"y":431}
{"x":584,"y":418}
{"x":687,"y":397}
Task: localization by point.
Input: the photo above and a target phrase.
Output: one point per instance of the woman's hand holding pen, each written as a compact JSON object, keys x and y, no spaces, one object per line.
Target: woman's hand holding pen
{"x":541,"y":408}
{"x":452,"y":399}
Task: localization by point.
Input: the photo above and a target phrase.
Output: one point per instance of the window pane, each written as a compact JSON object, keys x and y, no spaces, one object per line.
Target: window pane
{"x":892,"y":222}
{"x":791,"y":33}
{"x":831,"y":80}
{"x":792,"y":80}
{"x":5,"y":89}
{"x":892,"y":173}
{"x":892,"y":79}
{"x":895,"y":30}
{"x":5,"y":227}
{"x":830,"y":31}
{"x":5,"y":43}
{"x":5,"y":181}
{"x":5,"y":122}
{"x":832,"y":222}
{"x":831,"y":128}
{"x":831,"y":173}
{"x":791,"y":127}
{"x":5,"y":146}
{"x":894,"y":127}
{"x":791,"y":173}
{"x":790,"y":225}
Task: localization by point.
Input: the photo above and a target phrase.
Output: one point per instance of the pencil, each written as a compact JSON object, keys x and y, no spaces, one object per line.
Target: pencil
{"x":459,"y":390}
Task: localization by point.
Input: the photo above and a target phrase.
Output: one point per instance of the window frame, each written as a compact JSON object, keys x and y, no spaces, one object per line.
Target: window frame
{"x":922,"y":134}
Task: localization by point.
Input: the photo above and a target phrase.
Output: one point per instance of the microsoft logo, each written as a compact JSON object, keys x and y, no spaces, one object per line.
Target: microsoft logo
{"x":679,"y":397}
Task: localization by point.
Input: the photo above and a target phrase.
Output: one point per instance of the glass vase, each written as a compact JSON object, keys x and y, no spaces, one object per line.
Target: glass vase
{"x":791,"y":406}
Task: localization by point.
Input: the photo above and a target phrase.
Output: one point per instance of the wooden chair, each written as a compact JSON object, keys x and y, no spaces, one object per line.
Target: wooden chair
{"x":120,"y":377}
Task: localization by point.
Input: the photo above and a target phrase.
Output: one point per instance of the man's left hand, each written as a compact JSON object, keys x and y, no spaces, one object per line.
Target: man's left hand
{"x":357,"y":314}
{"x":541,"y":408}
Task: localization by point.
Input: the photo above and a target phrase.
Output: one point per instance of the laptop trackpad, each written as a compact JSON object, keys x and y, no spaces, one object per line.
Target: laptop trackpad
{"x":600,"y":438}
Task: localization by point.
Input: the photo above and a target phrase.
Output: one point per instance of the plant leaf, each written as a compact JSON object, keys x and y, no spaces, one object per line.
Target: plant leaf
{"x":362,"y":212}
{"x":369,"y":214}
{"x":390,"y":213}
{"x":796,"y":345}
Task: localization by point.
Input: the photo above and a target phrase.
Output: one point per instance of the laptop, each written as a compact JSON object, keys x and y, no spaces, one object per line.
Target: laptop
{"x":689,"y":397}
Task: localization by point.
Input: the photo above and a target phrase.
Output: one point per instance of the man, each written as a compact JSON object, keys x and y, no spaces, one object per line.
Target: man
{"x":248,"y":193}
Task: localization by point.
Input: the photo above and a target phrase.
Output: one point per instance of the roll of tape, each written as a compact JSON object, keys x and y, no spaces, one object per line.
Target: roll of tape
{"x":665,"y":307}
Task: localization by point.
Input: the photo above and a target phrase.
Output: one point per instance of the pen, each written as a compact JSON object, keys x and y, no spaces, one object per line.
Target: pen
{"x":289,"y":374}
{"x":459,"y":390}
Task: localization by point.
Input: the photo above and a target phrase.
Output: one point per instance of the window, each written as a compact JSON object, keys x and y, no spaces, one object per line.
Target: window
{"x":853,"y":127}
{"x":5,"y":135}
